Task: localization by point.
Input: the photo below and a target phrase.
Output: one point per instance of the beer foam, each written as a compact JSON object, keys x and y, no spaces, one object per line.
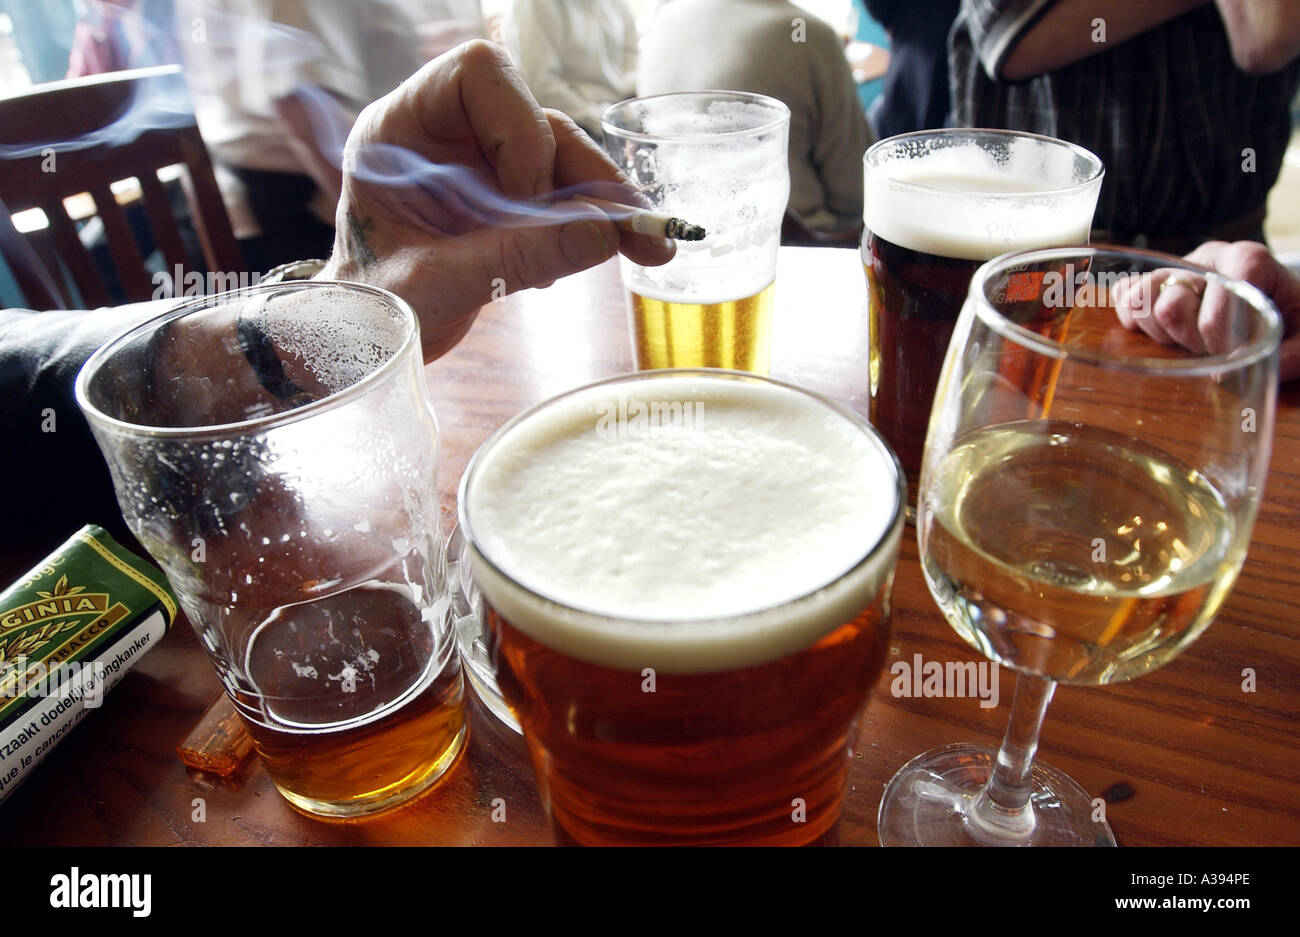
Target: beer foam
{"x":664,"y":119}
{"x":732,"y":529}
{"x":962,"y":202}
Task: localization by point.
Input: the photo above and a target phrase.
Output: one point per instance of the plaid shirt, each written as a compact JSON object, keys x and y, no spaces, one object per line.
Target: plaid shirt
{"x":1169,"y":113}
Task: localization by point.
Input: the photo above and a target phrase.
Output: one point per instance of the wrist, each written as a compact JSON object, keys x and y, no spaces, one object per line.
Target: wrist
{"x":332,"y":269}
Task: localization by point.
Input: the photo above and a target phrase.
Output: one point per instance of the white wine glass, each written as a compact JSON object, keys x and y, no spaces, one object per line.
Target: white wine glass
{"x":1086,"y":501}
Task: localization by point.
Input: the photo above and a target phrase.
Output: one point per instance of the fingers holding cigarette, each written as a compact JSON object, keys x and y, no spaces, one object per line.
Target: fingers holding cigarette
{"x":645,"y":221}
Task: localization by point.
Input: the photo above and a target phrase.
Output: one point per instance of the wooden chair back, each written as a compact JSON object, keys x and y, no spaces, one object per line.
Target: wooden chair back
{"x":70,"y":137}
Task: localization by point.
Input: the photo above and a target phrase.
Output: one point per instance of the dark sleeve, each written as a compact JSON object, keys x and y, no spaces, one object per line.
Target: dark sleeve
{"x":995,"y":26}
{"x":884,"y":12}
{"x":54,"y":478}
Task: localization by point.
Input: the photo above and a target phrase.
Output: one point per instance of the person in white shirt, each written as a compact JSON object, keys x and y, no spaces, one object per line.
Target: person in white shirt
{"x":775,"y":48}
{"x":578,"y":56}
{"x":276,"y":152}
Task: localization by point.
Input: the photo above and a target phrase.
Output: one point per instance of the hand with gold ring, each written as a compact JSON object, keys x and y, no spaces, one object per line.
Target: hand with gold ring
{"x":1186,"y":310}
{"x":1185,"y":280}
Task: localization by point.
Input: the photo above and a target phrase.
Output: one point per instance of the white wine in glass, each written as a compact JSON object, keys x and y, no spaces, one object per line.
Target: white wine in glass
{"x":1087,"y":498}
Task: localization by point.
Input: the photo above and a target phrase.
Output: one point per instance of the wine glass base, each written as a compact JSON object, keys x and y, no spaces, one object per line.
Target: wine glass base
{"x":929,"y":803}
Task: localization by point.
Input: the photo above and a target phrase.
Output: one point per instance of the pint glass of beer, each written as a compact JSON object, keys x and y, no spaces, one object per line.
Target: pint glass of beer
{"x":939,"y":203}
{"x":275,"y":451}
{"x":686,"y":575}
{"x":717,"y":159}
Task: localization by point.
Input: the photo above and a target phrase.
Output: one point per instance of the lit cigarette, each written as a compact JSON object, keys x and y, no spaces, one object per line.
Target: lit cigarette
{"x":644,"y":221}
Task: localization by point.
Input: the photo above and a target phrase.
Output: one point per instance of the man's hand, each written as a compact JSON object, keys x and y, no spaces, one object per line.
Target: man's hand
{"x":1181,"y":316}
{"x":448,"y":194}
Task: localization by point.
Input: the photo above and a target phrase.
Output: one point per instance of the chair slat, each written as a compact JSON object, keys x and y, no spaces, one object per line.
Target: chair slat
{"x":30,"y":269}
{"x":75,"y":256}
{"x":220,"y":249}
{"x":47,"y":173}
{"x":166,"y":233}
{"x":121,"y":245}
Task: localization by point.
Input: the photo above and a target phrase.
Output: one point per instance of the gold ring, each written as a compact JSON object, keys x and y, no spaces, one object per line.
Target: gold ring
{"x":1177,"y":279}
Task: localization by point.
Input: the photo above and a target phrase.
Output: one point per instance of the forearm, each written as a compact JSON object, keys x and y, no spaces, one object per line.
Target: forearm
{"x":57,"y":479}
{"x":1264,"y":34}
{"x":1071,"y":30}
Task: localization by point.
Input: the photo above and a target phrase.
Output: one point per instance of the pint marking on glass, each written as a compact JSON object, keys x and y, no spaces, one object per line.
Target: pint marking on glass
{"x":1023,"y":287}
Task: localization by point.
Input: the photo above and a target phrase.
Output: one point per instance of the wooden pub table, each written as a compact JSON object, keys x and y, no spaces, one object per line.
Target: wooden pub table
{"x":1183,"y":756}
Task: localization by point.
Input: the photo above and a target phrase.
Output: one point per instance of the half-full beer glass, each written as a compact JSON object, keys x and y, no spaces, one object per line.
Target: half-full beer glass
{"x":275,"y":451}
{"x":939,"y":203}
{"x":717,"y":159}
{"x":686,"y":577}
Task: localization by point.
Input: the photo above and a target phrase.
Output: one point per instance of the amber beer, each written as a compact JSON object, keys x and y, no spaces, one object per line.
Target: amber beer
{"x":734,"y":334}
{"x":300,"y":529}
{"x":938,"y":204}
{"x":389,"y":713}
{"x":688,"y":617}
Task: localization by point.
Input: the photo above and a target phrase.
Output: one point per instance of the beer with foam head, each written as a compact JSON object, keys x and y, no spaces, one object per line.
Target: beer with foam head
{"x":718,"y":159}
{"x":686,"y":575}
{"x":938,"y":204}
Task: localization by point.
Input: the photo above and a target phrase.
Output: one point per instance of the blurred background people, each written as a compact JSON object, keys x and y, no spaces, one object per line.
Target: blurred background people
{"x":276,"y":86}
{"x":914,"y":91}
{"x":775,"y":48}
{"x":578,"y":56}
{"x":113,"y":35}
{"x":1190,"y":116}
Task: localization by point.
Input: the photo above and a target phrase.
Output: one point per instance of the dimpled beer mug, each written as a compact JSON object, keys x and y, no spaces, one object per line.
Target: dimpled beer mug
{"x":275,"y":451}
{"x":716,"y":159}
{"x":686,"y":578}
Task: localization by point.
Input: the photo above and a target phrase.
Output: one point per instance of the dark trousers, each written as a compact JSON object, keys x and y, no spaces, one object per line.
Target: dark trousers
{"x":290,"y":231}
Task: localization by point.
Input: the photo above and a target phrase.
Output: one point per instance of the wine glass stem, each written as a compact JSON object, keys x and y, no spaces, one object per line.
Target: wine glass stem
{"x":1002,"y":812}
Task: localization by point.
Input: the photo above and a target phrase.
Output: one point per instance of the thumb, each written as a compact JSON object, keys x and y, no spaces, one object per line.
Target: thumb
{"x":464,"y":272}
{"x":566,"y":238}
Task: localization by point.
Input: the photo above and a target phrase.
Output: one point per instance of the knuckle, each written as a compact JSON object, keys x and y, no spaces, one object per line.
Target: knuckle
{"x":482,"y":53}
{"x":1170,"y":315}
{"x":1252,"y":262}
{"x":561,"y":120}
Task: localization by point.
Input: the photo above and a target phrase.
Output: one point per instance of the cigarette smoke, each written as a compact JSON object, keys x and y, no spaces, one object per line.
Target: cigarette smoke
{"x":259,"y":60}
